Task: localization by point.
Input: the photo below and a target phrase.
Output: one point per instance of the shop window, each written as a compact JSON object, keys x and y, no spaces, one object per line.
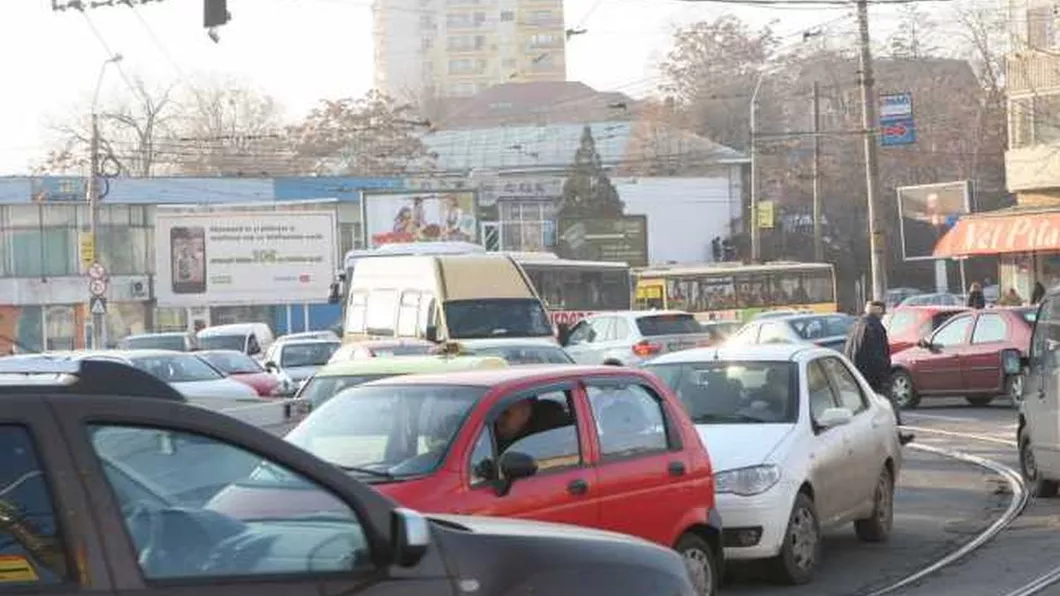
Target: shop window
{"x":59,"y":215}
{"x":171,"y":319}
{"x":60,"y":328}
{"x":23,"y":216}
{"x":44,"y":252}
{"x":124,"y":319}
{"x":123,"y":249}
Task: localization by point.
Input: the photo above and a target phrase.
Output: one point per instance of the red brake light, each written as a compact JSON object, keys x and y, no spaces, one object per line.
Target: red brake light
{"x":646,"y":348}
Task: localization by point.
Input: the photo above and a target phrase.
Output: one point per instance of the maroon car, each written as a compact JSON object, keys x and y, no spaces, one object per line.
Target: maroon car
{"x":907,"y":325}
{"x":244,"y":369}
{"x":975,"y":355}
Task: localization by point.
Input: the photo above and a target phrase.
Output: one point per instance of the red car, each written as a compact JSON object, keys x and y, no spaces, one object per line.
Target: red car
{"x":596,"y":446}
{"x":244,"y":369}
{"x":907,"y":325}
{"x":975,"y":355}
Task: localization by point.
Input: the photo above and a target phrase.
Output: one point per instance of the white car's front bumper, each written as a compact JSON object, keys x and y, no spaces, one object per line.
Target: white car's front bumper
{"x":765,"y":514}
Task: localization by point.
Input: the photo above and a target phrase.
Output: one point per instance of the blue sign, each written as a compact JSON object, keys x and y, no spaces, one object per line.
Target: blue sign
{"x":896,"y":123}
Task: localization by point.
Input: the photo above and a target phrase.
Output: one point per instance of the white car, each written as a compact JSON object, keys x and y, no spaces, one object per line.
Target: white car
{"x":799,"y":443}
{"x":188,"y":374}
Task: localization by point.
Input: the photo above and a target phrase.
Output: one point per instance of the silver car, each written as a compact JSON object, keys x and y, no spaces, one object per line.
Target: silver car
{"x":299,"y":359}
{"x":629,"y":338}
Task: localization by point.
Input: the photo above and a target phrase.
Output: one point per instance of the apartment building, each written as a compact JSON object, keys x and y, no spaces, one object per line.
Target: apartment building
{"x":1032,"y":162}
{"x":457,"y":48}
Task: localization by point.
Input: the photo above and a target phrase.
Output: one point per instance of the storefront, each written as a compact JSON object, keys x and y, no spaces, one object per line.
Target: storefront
{"x":1025,"y":240}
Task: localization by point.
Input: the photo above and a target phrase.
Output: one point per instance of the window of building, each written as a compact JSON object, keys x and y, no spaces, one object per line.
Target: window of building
{"x":1041,"y":27}
{"x":508,"y":63}
{"x":543,"y":62}
{"x":467,"y":66}
{"x":457,"y":20}
{"x":507,"y":16}
{"x":426,"y":43}
{"x":527,"y":225}
{"x":542,"y":40}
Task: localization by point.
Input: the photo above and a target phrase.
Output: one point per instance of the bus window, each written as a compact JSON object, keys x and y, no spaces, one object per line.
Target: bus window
{"x":752,"y":290}
{"x":819,"y":286}
{"x":716,"y":293}
{"x":677,"y":293}
{"x":649,"y":296}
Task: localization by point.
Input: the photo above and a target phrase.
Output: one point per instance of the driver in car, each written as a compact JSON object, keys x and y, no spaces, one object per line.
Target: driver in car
{"x":527,"y":417}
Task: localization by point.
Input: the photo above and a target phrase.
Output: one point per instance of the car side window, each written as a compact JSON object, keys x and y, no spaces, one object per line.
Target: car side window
{"x":355,"y":313}
{"x":193,"y":509}
{"x":953,"y":332}
{"x":630,"y":419}
{"x":901,"y":323}
{"x":621,"y":329}
{"x":549,"y":433}
{"x":990,"y":328}
{"x":601,"y":328}
{"x":772,"y":333}
{"x":747,"y":334}
{"x":408,"y":314}
{"x":32,"y":550}
{"x":846,"y":386}
{"x":581,"y":334}
{"x":483,"y":469}
{"x":820,"y":391}
{"x":380,"y":313}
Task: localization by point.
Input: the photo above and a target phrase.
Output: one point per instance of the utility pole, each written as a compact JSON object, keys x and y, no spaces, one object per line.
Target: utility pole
{"x":92,"y":196}
{"x":818,"y":242}
{"x":756,"y":242}
{"x":877,"y":243}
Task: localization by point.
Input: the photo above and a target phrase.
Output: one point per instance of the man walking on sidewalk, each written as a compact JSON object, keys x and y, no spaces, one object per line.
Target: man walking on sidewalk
{"x":868,"y":348}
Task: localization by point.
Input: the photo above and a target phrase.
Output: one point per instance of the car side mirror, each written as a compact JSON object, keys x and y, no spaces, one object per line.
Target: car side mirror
{"x":563,"y":334}
{"x":334,"y":293}
{"x":833,"y":417}
{"x":514,"y":466}
{"x":271,"y":366}
{"x":432,"y":334}
{"x":410,"y":534}
{"x":253,"y":350}
{"x":924,"y":343}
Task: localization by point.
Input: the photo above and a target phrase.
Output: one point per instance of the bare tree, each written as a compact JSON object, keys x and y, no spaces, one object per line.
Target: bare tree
{"x":226,"y":128}
{"x":130,"y":130}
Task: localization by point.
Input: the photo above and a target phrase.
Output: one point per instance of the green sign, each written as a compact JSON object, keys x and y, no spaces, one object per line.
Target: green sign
{"x":621,"y":239}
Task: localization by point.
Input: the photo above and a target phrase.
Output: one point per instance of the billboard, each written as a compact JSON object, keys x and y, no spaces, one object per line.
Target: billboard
{"x":244,"y":257}
{"x":425,"y":216}
{"x":927,"y":212}
{"x":623,"y":239}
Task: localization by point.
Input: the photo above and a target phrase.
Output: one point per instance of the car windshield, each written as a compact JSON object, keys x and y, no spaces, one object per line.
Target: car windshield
{"x":527,"y":354}
{"x":732,"y":392}
{"x":232,"y":363}
{"x":154,"y":342}
{"x":223,"y":342}
{"x":821,"y":327}
{"x":496,"y":317}
{"x":387,"y":430}
{"x":677,"y":324}
{"x":320,"y":389}
{"x":176,"y":368}
{"x":1030,"y":315}
{"x":294,"y":355}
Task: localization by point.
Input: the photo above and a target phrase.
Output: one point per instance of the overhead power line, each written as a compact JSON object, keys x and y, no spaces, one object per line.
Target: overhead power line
{"x":80,"y":5}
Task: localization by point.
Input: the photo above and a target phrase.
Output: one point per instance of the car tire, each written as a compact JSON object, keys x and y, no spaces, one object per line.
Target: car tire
{"x":901,"y":390}
{"x":1014,"y":388}
{"x":1038,"y":486}
{"x":702,"y":563}
{"x":979,"y":401}
{"x":801,"y":550}
{"x":877,"y":527}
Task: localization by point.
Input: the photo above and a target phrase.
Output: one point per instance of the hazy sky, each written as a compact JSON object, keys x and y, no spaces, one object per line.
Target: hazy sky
{"x":296,"y":50}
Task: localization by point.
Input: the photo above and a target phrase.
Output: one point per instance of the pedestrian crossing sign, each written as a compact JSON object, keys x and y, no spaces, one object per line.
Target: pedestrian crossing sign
{"x":98,"y":305}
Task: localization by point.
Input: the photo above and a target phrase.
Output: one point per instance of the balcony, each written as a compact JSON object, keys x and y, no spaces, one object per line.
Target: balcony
{"x":1032,"y":168}
{"x":1030,"y":71}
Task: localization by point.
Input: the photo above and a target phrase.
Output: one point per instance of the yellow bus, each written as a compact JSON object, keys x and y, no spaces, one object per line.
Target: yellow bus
{"x":737,"y":292}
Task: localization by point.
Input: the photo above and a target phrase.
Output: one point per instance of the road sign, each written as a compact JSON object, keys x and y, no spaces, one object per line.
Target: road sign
{"x":97,"y":287}
{"x":97,"y":271}
{"x":86,"y":248}
{"x":896,"y":123}
{"x":97,"y":305}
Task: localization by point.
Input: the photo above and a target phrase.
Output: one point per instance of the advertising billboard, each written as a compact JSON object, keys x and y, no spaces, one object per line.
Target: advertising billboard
{"x":425,"y":216}
{"x":622,"y":239}
{"x":244,"y":257}
{"x":927,"y":212}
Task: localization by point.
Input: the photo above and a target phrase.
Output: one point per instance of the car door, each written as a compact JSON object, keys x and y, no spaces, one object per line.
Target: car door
{"x":565,"y":488}
{"x":865,"y":451}
{"x":938,"y":368}
{"x":48,"y":540}
{"x":1041,"y":395}
{"x":828,"y":468}
{"x":981,"y":359}
{"x":170,"y":533}
{"x":646,"y":487}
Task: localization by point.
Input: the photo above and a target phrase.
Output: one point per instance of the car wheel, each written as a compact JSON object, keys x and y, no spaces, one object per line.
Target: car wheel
{"x":979,"y":401}
{"x":701,"y":562}
{"x":902,"y":391}
{"x":877,"y":527}
{"x":801,"y":550}
{"x":1014,"y":388}
{"x":1036,"y":484}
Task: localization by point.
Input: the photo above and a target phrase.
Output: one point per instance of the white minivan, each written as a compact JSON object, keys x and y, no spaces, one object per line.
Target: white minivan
{"x":250,"y":338}
{"x":1038,"y":430}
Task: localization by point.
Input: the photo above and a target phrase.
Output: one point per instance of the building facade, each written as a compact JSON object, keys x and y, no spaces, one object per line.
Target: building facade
{"x":457,"y":48}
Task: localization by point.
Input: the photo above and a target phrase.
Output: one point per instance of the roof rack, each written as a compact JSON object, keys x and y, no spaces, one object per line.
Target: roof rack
{"x":89,"y":377}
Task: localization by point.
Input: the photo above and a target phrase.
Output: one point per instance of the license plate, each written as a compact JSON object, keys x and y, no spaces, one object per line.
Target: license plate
{"x":677,"y":346}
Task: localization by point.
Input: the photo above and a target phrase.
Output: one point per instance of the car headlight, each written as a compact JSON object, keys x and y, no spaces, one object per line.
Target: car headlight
{"x":747,"y":482}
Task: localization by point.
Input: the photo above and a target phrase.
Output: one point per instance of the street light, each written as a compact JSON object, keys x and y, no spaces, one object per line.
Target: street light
{"x":92,"y":190}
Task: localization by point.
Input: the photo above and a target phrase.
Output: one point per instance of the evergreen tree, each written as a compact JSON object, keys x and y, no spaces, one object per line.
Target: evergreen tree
{"x":587,"y":191}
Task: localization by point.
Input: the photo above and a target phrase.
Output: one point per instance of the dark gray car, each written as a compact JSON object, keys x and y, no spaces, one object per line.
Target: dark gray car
{"x":106,"y":493}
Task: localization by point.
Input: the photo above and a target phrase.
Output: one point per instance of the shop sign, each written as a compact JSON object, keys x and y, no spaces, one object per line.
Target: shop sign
{"x":1039,"y":232}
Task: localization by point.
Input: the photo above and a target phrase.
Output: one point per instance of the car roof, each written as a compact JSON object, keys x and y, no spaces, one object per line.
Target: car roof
{"x":231,"y":328}
{"x":403,"y":365}
{"x":778,"y":352}
{"x":638,"y":314}
{"x":501,"y":376}
{"x":128,"y":354}
{"x":159,"y":334}
{"x":929,"y":307}
{"x":813,"y":315}
{"x":218,"y":353}
{"x":99,"y":378}
{"x":310,"y":340}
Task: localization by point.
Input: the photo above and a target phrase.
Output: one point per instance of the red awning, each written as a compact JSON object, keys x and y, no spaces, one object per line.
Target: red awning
{"x":978,"y":235}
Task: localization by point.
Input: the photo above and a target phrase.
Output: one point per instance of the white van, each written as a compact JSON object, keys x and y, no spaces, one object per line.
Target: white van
{"x":250,"y":338}
{"x":456,"y":297}
{"x":1038,"y":428}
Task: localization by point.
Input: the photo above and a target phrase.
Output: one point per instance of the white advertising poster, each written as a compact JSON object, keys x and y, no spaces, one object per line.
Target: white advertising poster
{"x":244,"y":257}
{"x":426,"y":216}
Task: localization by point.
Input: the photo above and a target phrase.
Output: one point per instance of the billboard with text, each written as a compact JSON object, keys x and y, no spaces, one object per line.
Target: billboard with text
{"x":927,"y":212}
{"x":244,"y":257}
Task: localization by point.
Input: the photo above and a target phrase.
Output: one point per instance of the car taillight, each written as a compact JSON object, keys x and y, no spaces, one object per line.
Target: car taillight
{"x":646,"y":348}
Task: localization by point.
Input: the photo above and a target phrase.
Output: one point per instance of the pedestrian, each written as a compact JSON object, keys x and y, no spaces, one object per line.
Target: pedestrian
{"x":1011,"y":298}
{"x":868,"y":348}
{"x":976,"y":299}
{"x":1038,"y":294}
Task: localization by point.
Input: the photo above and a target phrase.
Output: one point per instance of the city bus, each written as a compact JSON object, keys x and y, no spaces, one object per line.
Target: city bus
{"x":572,"y":290}
{"x":734,"y":292}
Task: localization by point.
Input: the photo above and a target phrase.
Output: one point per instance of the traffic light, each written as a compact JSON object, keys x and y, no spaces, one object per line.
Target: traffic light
{"x":215,"y":13}
{"x":715,"y":249}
